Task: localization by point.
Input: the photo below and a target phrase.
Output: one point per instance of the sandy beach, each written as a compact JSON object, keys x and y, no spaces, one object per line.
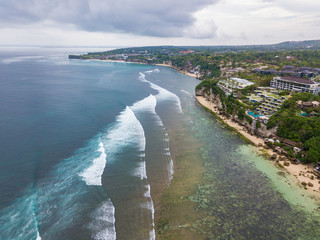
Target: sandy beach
{"x":302,"y":173}
{"x":183,"y":72}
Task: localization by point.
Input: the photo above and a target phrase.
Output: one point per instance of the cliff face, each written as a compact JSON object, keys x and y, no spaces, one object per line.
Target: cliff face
{"x":262,"y":131}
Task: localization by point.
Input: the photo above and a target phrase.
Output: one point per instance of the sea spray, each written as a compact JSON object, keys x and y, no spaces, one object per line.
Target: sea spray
{"x":103,"y":222}
{"x":19,"y":221}
{"x":92,"y":175}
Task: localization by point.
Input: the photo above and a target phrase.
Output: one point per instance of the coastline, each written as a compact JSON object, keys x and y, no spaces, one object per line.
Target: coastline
{"x":301,"y":173}
{"x":183,"y":72}
{"x":158,"y":64}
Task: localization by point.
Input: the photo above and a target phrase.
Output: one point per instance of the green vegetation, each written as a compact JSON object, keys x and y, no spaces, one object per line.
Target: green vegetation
{"x":293,"y":122}
{"x":293,"y":126}
{"x":229,"y":104}
{"x":220,"y":62}
{"x":200,"y":62}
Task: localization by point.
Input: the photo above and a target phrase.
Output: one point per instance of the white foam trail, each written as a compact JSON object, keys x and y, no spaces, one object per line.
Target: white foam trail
{"x":149,"y":104}
{"x":153,"y":71}
{"x":19,"y":59}
{"x":140,"y":171}
{"x":38,"y":236}
{"x":167,"y":155}
{"x":162,"y":93}
{"x":93,"y":174}
{"x":186,"y":92}
{"x":127,"y":131}
{"x":103,"y":218}
{"x":150,"y":206}
{"x":171,"y":169}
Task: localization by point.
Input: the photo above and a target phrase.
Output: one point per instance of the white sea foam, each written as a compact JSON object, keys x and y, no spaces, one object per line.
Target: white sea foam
{"x":38,"y":236}
{"x":19,"y":59}
{"x":149,"y":104}
{"x":36,"y":222}
{"x":149,"y":205}
{"x":140,"y":170}
{"x":93,"y":174}
{"x":186,"y":92}
{"x":127,"y":131}
{"x":167,"y":155}
{"x":163,"y":94}
{"x":171,"y":169}
{"x":153,"y":71}
{"x":103,"y":222}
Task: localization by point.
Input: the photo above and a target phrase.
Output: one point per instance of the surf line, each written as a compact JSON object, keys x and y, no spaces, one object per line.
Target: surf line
{"x":143,"y":172}
{"x":93,"y":177}
{"x":162,"y":92}
{"x":149,"y":104}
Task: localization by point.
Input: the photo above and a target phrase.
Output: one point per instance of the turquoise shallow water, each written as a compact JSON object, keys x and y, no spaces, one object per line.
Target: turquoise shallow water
{"x":245,"y":196}
{"x":85,"y":146}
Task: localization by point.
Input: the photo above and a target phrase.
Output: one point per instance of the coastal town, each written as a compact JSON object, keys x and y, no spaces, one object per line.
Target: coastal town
{"x":270,"y":97}
{"x":286,"y":153}
{"x":160,"y":120}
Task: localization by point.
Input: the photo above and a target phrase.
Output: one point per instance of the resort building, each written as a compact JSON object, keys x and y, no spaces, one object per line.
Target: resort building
{"x":295,"y":84}
{"x":229,"y":85}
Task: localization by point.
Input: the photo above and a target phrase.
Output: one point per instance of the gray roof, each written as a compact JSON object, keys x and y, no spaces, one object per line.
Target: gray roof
{"x":289,"y":67}
{"x":297,"y":80}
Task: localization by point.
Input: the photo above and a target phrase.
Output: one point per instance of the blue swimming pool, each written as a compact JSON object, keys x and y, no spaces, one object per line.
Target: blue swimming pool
{"x":254,"y":115}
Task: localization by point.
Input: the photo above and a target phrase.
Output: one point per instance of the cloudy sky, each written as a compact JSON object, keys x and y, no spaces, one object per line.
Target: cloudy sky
{"x":159,"y":22}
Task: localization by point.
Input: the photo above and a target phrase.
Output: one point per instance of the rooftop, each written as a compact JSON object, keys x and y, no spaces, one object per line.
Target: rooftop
{"x":297,"y":80}
{"x":242,"y":81}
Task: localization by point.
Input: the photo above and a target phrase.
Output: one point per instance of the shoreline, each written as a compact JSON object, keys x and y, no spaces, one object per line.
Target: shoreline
{"x":157,"y":64}
{"x":301,"y":173}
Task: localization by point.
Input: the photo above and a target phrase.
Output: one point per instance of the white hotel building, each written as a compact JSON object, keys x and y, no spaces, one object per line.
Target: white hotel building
{"x":295,"y":84}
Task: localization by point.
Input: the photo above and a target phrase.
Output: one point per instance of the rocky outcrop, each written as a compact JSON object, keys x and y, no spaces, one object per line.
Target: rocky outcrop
{"x":263,"y":132}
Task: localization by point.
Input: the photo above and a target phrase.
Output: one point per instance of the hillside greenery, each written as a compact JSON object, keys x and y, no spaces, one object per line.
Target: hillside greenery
{"x":293,"y":126}
{"x":230,"y":105}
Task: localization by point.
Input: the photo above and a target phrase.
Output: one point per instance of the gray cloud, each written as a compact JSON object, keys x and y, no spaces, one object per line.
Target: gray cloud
{"x":161,"y":18}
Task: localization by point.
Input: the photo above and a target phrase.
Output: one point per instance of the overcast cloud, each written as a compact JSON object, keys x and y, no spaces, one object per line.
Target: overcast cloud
{"x":159,"y":22}
{"x":164,"y":18}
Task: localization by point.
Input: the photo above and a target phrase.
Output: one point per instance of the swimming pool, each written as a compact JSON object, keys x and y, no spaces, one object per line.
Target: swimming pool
{"x":254,"y":115}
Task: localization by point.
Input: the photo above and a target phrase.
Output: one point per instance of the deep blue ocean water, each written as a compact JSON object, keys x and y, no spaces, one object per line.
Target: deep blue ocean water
{"x":62,"y":122}
{"x":84,"y":147}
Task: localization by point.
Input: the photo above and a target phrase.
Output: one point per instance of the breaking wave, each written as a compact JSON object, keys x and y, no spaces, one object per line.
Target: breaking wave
{"x":93,"y":174}
{"x":103,"y":222}
{"x":163,"y":94}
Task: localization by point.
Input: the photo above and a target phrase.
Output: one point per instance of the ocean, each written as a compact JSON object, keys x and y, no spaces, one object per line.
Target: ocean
{"x":85,"y":147}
